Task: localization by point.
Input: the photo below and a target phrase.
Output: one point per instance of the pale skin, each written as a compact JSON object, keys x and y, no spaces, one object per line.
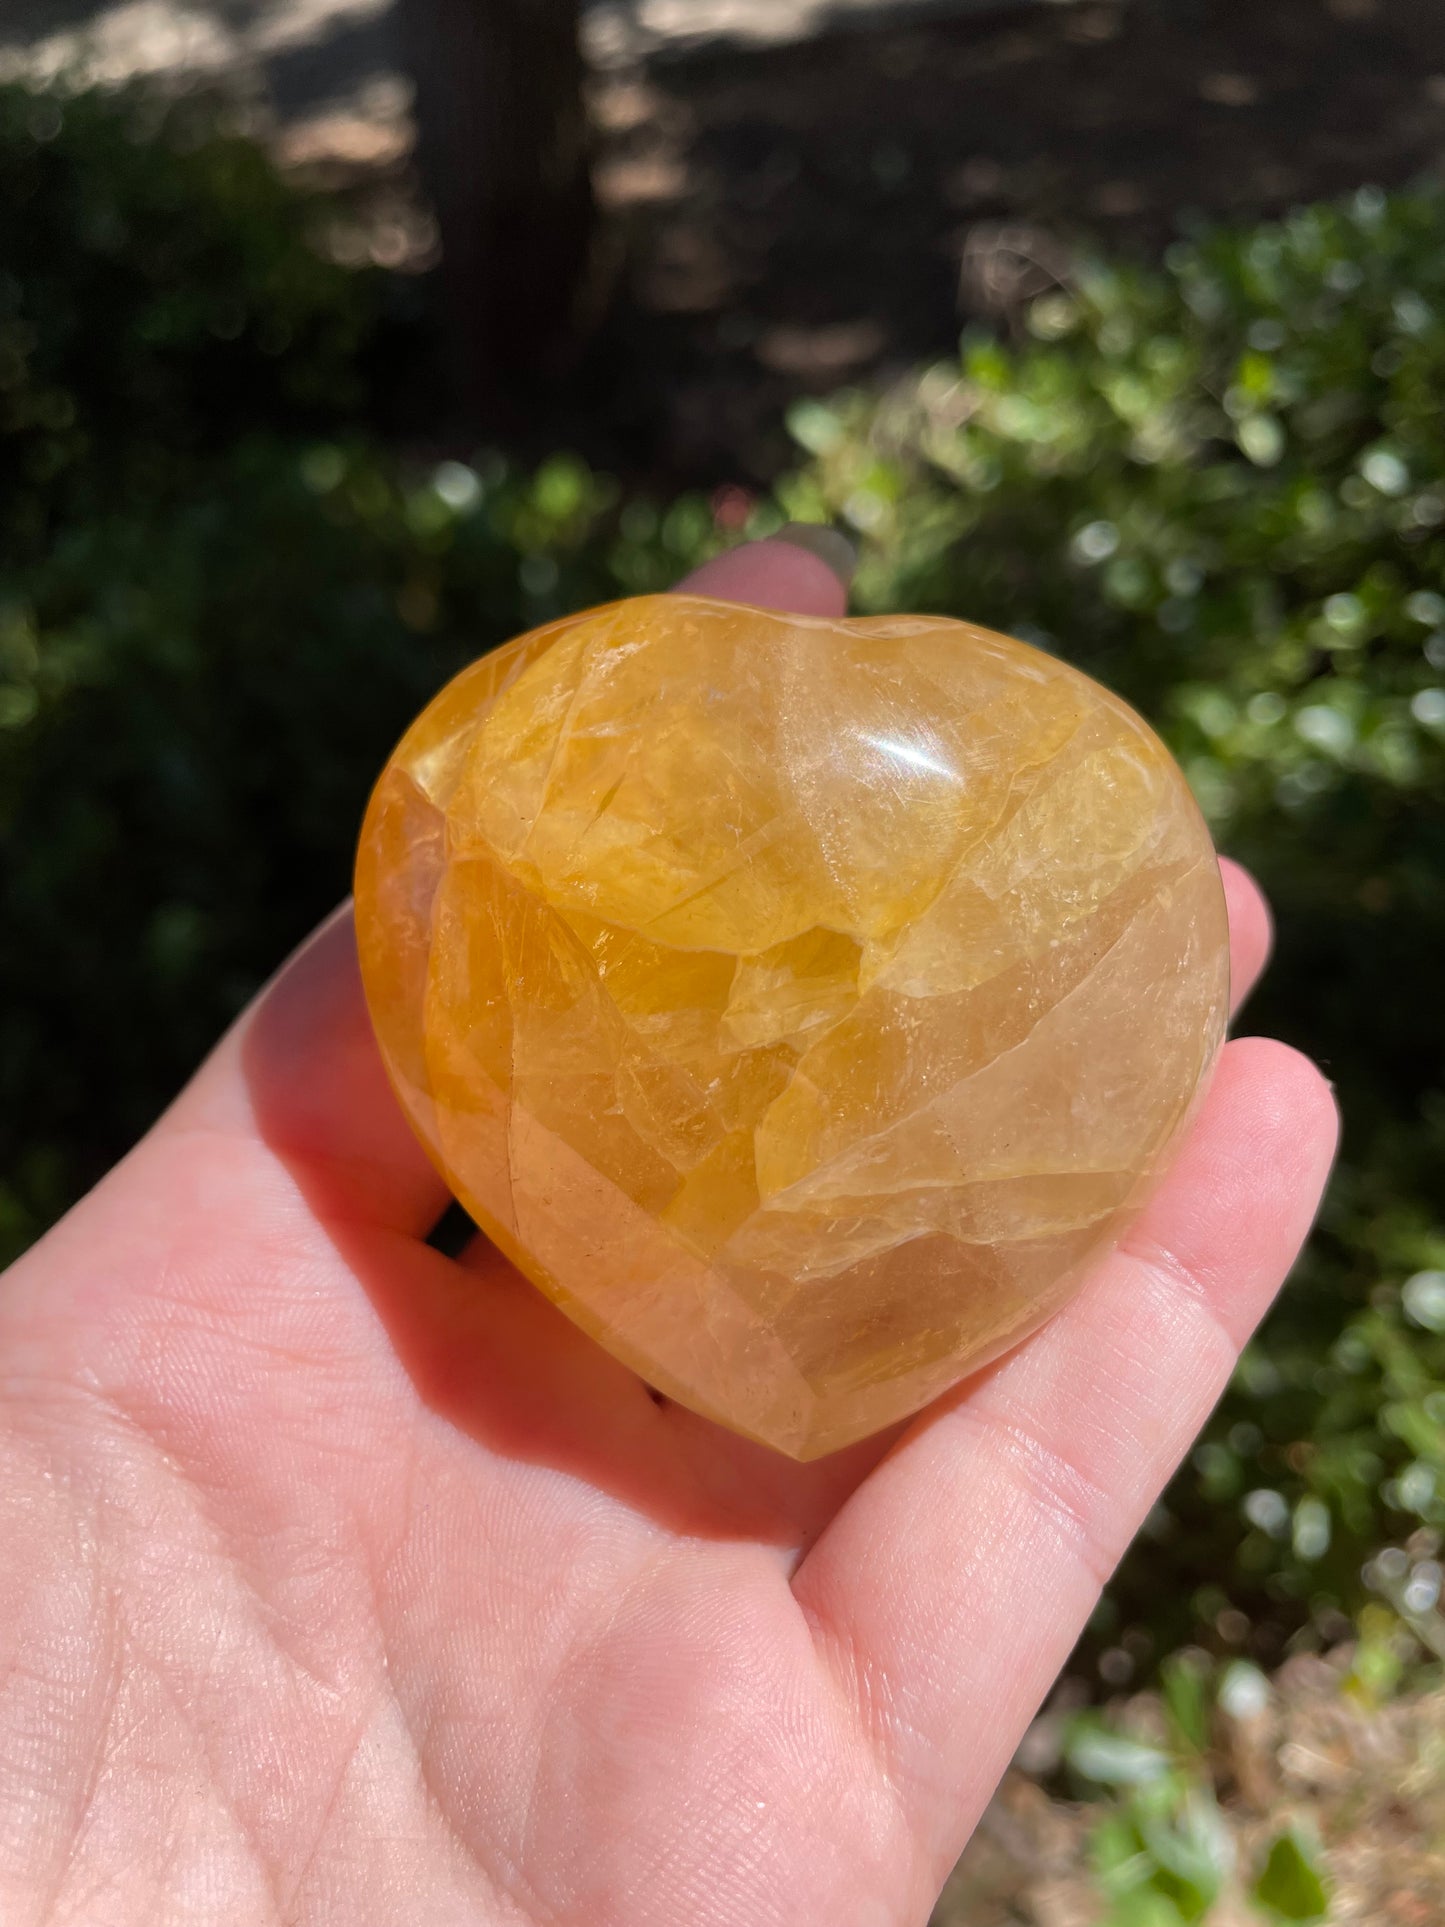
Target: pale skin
{"x":341,"y":1582}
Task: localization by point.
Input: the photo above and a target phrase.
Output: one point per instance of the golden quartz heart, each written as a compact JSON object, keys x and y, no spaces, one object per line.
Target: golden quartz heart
{"x":803,"y":1005}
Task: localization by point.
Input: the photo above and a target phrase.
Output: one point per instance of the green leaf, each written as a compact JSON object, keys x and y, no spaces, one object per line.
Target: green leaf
{"x":1110,"y":1759}
{"x":1119,"y":1856}
{"x":1146,"y":1908}
{"x":1186,"y":1682}
{"x":1291,"y":1885}
{"x":1191,"y":1853}
{"x":814,"y":427}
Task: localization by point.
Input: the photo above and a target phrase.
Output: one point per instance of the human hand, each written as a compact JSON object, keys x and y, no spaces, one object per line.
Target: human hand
{"x":346,"y":1583}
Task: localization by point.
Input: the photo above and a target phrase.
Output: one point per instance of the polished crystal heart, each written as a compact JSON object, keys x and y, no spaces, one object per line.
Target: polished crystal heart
{"x":802,"y":1005}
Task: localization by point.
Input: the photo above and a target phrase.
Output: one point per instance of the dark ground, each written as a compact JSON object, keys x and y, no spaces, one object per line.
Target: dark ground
{"x":784,"y":219}
{"x":801,"y":216}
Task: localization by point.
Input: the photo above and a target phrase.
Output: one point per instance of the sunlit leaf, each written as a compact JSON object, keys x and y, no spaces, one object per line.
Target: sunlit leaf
{"x":1291,"y":1884}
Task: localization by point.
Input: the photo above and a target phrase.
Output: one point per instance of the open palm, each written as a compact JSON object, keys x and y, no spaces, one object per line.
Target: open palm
{"x":345,"y":1582}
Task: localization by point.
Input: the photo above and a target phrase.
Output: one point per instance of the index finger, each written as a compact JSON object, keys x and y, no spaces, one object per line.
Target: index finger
{"x":952,"y":1585}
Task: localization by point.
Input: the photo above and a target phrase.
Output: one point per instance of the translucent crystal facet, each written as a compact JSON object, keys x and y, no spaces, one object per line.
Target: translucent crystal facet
{"x":801,"y":1004}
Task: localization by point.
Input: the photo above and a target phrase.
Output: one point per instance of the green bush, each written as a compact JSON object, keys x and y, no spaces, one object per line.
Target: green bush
{"x":1220,"y":487}
{"x":196,"y":696}
{"x":213,"y":623}
{"x":158,"y":295}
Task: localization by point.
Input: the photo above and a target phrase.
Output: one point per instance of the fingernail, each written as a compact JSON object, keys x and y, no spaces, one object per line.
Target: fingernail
{"x":832,"y":548}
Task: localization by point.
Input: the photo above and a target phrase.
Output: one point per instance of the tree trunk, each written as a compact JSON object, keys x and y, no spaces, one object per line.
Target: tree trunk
{"x":503,"y":151}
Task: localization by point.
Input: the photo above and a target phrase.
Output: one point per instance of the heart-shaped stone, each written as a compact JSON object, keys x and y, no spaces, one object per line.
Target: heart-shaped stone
{"x":803,"y":1005}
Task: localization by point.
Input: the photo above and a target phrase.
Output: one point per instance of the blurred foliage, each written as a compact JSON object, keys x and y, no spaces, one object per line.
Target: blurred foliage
{"x":1220,"y":1795}
{"x":1220,"y":487}
{"x":219,"y":603}
{"x":1163,"y":1849}
{"x":159,"y":293}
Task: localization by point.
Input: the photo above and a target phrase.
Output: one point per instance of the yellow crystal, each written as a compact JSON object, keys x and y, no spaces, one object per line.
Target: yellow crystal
{"x":801,"y":1004}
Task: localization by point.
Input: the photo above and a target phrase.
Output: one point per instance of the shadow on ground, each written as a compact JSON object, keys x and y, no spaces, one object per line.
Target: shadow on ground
{"x":795,"y":216}
{"x":798,"y":216}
